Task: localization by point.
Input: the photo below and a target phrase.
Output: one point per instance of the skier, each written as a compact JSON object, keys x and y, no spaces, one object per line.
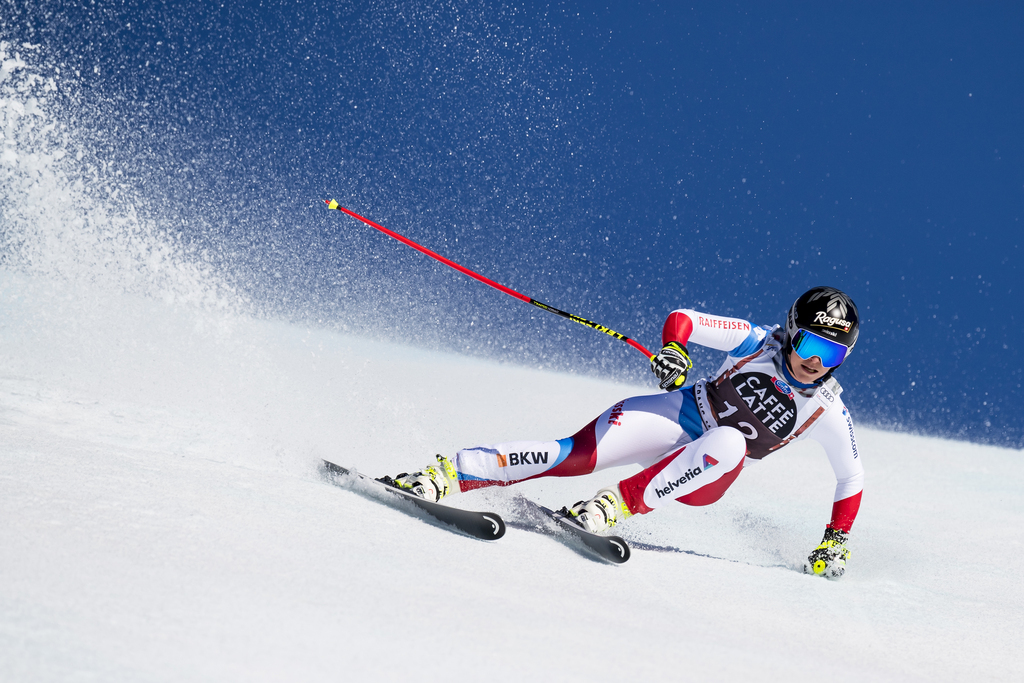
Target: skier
{"x":775,"y":386}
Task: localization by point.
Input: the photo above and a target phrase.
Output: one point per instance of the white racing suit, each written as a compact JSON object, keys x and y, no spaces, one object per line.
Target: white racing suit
{"x":693,"y":443}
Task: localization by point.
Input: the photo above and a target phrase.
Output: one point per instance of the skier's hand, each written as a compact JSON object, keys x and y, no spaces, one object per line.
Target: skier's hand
{"x":829,"y":558}
{"x":671,"y":366}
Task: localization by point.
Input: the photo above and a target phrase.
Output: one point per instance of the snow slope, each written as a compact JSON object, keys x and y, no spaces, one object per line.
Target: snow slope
{"x":163,"y":519}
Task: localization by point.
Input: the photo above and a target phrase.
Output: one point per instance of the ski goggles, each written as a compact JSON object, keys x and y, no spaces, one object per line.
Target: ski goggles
{"x":807,"y":345}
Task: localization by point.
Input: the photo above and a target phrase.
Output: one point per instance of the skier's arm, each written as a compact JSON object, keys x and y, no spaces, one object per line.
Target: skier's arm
{"x":734,"y":335}
{"x":835,"y":433}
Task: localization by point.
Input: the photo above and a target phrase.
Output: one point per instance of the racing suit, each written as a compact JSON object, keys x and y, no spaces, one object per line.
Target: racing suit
{"x":693,"y":443}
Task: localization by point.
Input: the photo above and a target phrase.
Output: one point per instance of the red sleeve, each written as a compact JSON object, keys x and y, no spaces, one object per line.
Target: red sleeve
{"x":678,"y":328}
{"x":844,"y":512}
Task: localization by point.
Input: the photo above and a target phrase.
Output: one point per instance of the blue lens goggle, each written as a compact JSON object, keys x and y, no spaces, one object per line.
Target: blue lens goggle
{"x":807,"y":344}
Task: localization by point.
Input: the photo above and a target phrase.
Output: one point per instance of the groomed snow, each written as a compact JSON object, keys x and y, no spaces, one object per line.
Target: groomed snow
{"x":162,"y":518}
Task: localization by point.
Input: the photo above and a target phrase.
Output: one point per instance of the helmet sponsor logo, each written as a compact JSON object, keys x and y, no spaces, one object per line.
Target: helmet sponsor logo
{"x":836,"y":301}
{"x":823,"y":319}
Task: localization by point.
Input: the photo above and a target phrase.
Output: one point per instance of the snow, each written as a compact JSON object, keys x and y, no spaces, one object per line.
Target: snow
{"x":164,"y":519}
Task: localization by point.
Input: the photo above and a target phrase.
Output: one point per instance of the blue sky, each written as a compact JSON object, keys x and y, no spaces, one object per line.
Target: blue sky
{"x":615,"y":161}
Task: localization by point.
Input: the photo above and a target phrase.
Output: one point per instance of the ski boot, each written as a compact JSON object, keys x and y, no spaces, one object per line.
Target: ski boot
{"x":601,"y":512}
{"x":829,"y":558}
{"x":432,"y":483}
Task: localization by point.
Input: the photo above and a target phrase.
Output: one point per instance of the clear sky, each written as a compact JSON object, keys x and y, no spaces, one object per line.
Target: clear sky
{"x":616,"y":161}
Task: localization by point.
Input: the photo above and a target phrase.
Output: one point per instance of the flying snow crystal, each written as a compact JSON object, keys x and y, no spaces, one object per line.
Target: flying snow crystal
{"x":69,"y":213}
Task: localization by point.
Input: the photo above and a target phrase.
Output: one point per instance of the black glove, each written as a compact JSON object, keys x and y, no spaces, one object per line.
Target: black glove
{"x":671,"y":366}
{"x":829,"y":558}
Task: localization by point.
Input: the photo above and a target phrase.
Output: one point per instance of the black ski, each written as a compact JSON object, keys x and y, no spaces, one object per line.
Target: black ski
{"x":607,"y":548}
{"x":483,"y":525}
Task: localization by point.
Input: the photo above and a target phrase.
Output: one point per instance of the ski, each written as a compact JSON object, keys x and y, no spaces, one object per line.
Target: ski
{"x":486,"y":526}
{"x":611,"y":549}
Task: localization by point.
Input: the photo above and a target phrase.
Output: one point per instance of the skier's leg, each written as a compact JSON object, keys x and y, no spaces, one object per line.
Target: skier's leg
{"x":635,"y":430}
{"x":697,"y":474}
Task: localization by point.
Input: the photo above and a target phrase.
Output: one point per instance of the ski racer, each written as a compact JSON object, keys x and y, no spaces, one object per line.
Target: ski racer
{"x":775,"y":386}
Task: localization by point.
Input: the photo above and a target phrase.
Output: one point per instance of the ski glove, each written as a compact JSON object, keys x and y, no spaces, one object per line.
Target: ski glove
{"x":671,"y":366}
{"x":829,"y":558}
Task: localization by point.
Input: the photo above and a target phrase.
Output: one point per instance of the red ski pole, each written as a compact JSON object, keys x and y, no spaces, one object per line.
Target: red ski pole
{"x":332,"y":204}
